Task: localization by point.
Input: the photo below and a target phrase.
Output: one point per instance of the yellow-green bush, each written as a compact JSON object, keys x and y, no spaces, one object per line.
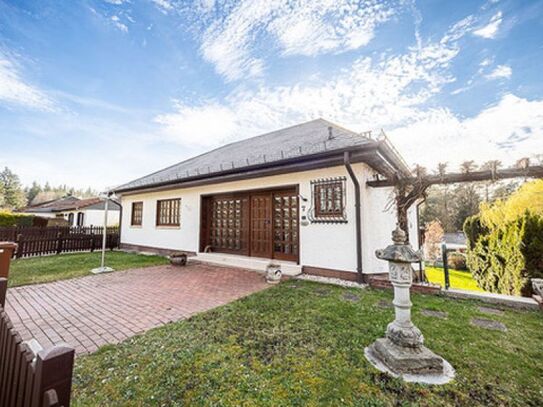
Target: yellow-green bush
{"x":8,"y":218}
{"x":505,"y":242}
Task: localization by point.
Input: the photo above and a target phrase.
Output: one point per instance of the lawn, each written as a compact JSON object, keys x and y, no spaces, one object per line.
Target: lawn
{"x":45,"y":269}
{"x":458,"y":279}
{"x":302,"y":343}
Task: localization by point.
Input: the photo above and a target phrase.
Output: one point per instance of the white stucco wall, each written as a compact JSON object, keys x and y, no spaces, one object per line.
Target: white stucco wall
{"x":95,"y":217}
{"x":379,"y":220}
{"x":41,"y":214}
{"x":331,"y":246}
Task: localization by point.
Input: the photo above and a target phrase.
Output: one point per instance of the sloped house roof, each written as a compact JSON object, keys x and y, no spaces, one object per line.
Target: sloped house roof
{"x":69,"y":203}
{"x":314,"y":144}
{"x":455,"y":239}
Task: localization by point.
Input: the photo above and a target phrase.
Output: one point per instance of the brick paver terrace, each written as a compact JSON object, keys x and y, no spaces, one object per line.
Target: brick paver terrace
{"x":93,"y":311}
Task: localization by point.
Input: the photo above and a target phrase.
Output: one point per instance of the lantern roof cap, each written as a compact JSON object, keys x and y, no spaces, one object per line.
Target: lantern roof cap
{"x":400,"y":251}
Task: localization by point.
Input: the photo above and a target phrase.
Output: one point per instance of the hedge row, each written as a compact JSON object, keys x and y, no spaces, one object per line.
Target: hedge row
{"x":504,"y":259}
{"x":15,"y":219}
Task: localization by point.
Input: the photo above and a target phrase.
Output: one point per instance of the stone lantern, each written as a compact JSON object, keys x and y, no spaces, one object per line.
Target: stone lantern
{"x":401,"y":352}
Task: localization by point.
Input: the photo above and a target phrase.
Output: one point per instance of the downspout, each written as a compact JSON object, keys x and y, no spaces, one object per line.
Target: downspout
{"x":422,"y":274}
{"x":358,"y":220}
{"x":120,"y":220}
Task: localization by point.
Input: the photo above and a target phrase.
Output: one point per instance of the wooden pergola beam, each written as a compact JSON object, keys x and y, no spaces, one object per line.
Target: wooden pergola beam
{"x":534,"y":171}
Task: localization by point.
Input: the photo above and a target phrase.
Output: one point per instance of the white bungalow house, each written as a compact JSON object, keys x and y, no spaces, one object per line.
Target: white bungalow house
{"x":295,"y":196}
{"x":78,"y":212}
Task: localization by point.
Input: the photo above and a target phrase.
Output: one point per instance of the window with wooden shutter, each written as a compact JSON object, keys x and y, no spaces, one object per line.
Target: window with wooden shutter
{"x":168,"y":212}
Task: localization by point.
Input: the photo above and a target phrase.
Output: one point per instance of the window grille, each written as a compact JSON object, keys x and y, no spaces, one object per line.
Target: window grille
{"x":328,"y":197}
{"x":168,"y":212}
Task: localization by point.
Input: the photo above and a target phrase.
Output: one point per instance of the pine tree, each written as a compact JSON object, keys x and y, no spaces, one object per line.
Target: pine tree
{"x":2,"y":197}
{"x":465,"y":202}
{"x":32,"y":192}
{"x":14,"y":196}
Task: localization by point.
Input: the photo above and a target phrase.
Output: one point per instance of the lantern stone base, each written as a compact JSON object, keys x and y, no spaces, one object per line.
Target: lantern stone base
{"x":100,"y":270}
{"x":418,"y":364}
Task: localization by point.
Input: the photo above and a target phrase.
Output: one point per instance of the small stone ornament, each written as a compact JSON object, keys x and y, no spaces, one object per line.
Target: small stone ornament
{"x":402,"y":353}
{"x":537,"y":286}
{"x":273,"y":273}
{"x":178,"y":259}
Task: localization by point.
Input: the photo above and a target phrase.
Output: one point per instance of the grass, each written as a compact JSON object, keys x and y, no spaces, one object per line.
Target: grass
{"x":458,"y":279}
{"x":45,"y":269}
{"x":302,"y":344}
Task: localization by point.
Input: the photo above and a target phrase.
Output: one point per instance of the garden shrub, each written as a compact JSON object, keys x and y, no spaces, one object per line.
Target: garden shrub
{"x":457,"y":261}
{"x":504,"y":258}
{"x":8,"y":218}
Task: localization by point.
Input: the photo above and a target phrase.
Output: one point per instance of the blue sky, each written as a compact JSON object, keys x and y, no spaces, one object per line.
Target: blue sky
{"x":98,"y":92}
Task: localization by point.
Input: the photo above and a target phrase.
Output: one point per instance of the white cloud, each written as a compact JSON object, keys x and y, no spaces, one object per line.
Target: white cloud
{"x":296,"y":28}
{"x":14,"y":90}
{"x":328,"y":26}
{"x":117,"y":22}
{"x":511,"y":129}
{"x":486,"y":62}
{"x":457,"y":91}
{"x":371,"y":93}
{"x":202,"y":125}
{"x":164,"y":5}
{"x":117,"y":2}
{"x":391,"y":92}
{"x":500,"y":72}
{"x":491,"y":29}
{"x":206,"y":5}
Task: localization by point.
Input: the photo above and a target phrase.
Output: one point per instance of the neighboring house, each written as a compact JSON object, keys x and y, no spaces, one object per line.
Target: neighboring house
{"x":455,"y":241}
{"x":285,"y":196}
{"x":78,"y":212}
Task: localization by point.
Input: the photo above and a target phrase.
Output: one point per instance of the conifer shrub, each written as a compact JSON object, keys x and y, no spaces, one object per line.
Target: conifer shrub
{"x":505,"y":241}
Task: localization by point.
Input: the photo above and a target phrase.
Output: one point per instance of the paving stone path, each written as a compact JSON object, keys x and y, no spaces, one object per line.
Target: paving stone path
{"x":322,"y":292}
{"x":384,"y":304}
{"x":491,"y":311}
{"x":96,"y":310}
{"x":488,"y":324}
{"x":351,"y":297}
{"x":434,"y":314}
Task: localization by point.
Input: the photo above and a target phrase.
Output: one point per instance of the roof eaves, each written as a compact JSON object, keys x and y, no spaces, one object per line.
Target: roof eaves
{"x":308,"y":158}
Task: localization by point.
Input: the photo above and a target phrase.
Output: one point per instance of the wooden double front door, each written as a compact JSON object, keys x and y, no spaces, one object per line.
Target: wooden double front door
{"x":258,"y":224}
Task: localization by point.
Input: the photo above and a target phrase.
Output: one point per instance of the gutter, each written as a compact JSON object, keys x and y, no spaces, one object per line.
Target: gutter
{"x":389,"y":152}
{"x":358,"y":218}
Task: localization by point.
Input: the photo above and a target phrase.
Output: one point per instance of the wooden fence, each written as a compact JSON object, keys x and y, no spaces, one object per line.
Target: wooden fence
{"x":37,"y":241}
{"x":28,"y":379}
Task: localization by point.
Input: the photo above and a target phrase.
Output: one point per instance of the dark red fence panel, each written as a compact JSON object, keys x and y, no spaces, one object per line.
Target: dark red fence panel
{"x":28,"y":379}
{"x":39,"y":241}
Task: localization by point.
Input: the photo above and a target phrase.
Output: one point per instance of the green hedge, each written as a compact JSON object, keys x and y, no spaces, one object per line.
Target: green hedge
{"x":504,"y":259}
{"x":15,"y":219}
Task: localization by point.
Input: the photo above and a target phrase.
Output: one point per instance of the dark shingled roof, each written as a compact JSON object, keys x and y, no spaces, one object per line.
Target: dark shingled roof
{"x":306,"y":139}
{"x":68,"y":203}
{"x":458,"y":238}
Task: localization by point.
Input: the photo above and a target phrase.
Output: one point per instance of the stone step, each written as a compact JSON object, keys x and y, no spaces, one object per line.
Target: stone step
{"x":251,"y":263}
